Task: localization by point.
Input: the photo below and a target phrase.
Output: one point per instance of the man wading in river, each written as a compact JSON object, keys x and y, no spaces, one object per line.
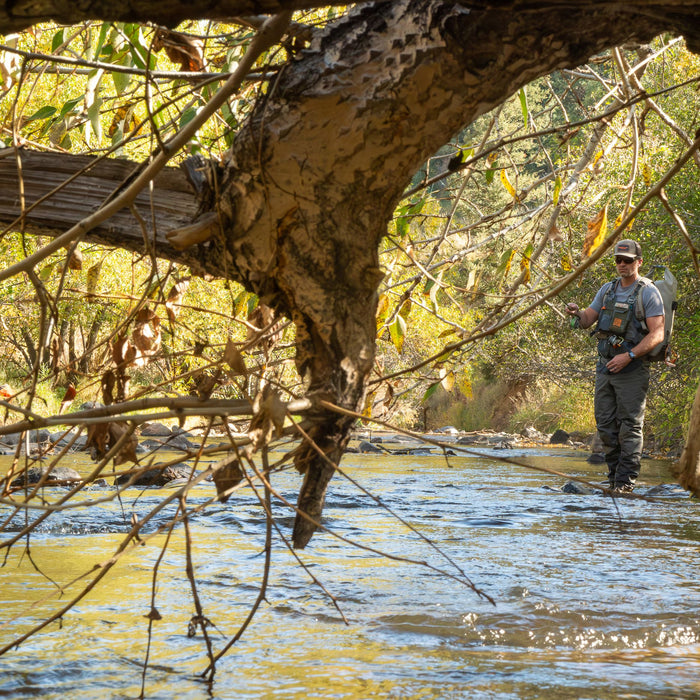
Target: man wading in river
{"x":622,"y":373}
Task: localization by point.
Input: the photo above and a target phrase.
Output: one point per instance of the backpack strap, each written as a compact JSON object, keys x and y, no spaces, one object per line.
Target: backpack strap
{"x":639,"y":312}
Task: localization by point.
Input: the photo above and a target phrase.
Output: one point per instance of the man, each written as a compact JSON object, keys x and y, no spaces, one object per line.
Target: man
{"x":622,"y":374}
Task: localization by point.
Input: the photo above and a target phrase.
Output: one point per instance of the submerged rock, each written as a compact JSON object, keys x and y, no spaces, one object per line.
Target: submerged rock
{"x":370,"y":447}
{"x":59,"y":476}
{"x":578,"y":489}
{"x":157,"y":476}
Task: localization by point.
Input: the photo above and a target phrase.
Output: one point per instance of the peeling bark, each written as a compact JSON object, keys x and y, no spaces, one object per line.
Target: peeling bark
{"x":318,"y":169}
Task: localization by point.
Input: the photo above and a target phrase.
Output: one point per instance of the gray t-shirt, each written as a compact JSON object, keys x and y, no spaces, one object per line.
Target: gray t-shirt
{"x":652,"y":303}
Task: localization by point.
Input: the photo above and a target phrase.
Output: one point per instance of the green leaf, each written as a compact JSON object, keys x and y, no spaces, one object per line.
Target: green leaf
{"x":45,"y":272}
{"x":100,"y":45}
{"x":57,"y":40}
{"x":505,"y":261}
{"x":431,"y":390}
{"x":490,"y":173}
{"x":397,"y":330}
{"x":70,"y":105}
{"x":121,"y":81}
{"x":43,"y":113}
{"x":187,"y":116}
{"x":252,"y":303}
{"x":557,"y":190}
{"x":523,"y":105}
{"x":404,"y":214}
{"x":138,"y":47}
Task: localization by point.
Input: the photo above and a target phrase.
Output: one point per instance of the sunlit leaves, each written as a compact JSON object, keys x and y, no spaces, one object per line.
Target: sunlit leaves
{"x":522,"y":94}
{"x":525,"y":263}
{"x":405,"y":214}
{"x":92,"y":278}
{"x":397,"y":331}
{"x":382,"y":310}
{"x":507,"y":184}
{"x":447,"y":379}
{"x":505,"y":263}
{"x":465,"y":386}
{"x":557,"y":190}
{"x":597,"y":231}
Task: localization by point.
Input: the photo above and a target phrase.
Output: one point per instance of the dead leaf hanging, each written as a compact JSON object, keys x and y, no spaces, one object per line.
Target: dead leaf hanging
{"x":234,"y":359}
{"x":174,"y":300}
{"x":180,"y":49}
{"x":269,"y":415}
{"x":146,"y":336}
{"x":597,"y":230}
{"x":227,"y":475}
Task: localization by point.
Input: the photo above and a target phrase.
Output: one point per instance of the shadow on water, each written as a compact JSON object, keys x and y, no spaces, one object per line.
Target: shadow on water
{"x":595,"y":597}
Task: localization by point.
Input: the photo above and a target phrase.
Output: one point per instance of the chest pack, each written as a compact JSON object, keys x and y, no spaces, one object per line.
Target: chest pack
{"x":621,"y":321}
{"x":618,"y":319}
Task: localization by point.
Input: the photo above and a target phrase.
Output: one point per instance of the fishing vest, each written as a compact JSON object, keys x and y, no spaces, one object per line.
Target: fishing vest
{"x":619,"y":328}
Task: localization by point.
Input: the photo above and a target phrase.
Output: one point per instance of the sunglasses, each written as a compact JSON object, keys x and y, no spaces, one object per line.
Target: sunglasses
{"x":619,"y":260}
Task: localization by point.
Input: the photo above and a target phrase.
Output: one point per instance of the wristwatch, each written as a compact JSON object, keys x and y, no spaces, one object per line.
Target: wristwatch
{"x":631,"y":354}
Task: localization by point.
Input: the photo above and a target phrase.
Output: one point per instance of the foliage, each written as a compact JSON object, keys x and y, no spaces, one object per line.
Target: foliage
{"x":497,"y":231}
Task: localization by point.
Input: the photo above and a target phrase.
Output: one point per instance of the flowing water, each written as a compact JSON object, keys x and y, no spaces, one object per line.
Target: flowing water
{"x":593,"y":597}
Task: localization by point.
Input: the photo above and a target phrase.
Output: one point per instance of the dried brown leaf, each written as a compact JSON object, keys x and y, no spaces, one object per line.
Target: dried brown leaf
{"x":180,"y":49}
{"x":227,"y":475}
{"x":269,"y":415}
{"x":597,"y":230}
{"x":234,"y":359}
{"x":174,"y":300}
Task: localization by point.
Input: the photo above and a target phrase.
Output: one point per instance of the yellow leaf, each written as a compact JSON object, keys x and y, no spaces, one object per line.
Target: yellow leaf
{"x":92,"y":278}
{"x":525,"y":263}
{"x":557,"y":190}
{"x":506,"y":183}
{"x":382,"y":310}
{"x":646,"y":174}
{"x":448,"y":380}
{"x":508,"y":263}
{"x":397,"y":331}
{"x":369,"y":403}
{"x":597,"y":230}
{"x":567,"y":262}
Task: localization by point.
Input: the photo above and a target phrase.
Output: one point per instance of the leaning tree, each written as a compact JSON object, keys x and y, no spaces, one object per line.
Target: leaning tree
{"x":297,"y":208}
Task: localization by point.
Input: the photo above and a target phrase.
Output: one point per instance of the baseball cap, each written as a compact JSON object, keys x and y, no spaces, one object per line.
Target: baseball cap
{"x":628,"y":249}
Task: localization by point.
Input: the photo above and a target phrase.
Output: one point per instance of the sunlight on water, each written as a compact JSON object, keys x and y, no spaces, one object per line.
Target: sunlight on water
{"x":592,"y":597}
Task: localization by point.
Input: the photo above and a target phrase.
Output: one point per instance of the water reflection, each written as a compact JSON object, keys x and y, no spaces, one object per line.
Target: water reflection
{"x":594,"y":598}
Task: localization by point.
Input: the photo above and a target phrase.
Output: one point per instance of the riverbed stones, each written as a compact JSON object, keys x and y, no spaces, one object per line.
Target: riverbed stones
{"x":155,"y":430}
{"x":559,"y":437}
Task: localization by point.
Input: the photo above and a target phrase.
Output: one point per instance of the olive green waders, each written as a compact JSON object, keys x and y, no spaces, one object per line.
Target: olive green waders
{"x":620,"y":400}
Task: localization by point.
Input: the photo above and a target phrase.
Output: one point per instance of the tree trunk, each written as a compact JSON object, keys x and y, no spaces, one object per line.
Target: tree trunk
{"x":688,"y":468}
{"x":298,"y":210}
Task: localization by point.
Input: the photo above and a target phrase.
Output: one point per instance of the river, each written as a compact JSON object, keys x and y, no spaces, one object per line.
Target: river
{"x":592,"y":597}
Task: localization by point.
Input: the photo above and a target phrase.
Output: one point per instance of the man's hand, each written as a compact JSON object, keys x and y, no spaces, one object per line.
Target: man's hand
{"x":618,"y":363}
